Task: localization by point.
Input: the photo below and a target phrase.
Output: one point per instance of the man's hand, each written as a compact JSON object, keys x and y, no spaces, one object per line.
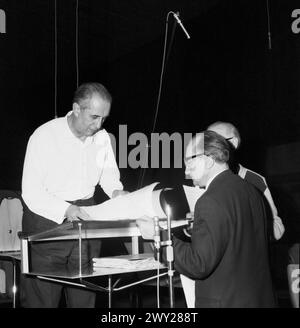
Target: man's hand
{"x":75,"y":213}
{"x":278,"y":227}
{"x":146,"y":226}
{"x":119,"y":193}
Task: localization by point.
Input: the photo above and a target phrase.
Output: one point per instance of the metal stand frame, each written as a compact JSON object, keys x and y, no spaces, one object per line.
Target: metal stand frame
{"x":81,"y":275}
{"x":169,"y":251}
{"x":14,"y":258}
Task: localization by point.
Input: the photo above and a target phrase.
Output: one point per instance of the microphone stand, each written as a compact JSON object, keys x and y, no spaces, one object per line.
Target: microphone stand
{"x":170,"y":257}
{"x":166,"y":55}
{"x":169,"y":251}
{"x":170,"y":260}
{"x":157,"y":243}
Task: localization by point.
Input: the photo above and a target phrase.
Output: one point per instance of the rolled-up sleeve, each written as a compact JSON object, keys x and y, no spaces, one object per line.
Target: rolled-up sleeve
{"x":110,"y":177}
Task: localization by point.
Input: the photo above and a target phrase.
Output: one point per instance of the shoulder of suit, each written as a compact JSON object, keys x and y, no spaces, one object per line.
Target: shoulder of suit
{"x":252,"y":172}
{"x":254,"y":178}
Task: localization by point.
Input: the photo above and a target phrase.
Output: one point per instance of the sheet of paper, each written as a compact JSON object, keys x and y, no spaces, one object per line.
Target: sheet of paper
{"x":192,"y":195}
{"x":111,"y":262}
{"x":188,"y":286}
{"x":174,"y":223}
{"x":132,"y":206}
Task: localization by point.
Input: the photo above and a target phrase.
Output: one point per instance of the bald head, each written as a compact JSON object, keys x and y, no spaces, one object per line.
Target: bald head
{"x":228,"y":131}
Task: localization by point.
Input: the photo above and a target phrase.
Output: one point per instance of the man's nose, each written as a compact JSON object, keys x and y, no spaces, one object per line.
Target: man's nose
{"x":187,"y":173}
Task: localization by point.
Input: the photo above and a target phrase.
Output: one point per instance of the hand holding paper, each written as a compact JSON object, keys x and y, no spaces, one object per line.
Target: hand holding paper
{"x":130,"y":206}
{"x":75,"y":213}
{"x":117,"y":193}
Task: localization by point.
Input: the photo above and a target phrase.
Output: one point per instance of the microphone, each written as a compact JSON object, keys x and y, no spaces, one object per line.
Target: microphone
{"x":176,"y":16}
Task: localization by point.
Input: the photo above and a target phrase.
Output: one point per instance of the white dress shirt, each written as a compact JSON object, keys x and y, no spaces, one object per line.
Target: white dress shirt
{"x":59,"y":167}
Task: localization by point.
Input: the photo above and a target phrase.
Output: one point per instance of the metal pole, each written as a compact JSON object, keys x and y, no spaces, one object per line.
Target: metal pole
{"x":14,"y":289}
{"x":109,"y":291}
{"x":170,"y":258}
{"x":80,"y":245}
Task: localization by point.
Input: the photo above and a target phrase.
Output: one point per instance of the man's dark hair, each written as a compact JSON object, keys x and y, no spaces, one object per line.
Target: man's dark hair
{"x":217,"y":147}
{"x":87,"y":90}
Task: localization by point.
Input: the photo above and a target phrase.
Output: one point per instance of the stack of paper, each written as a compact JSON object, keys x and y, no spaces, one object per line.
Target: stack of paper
{"x":125,"y":263}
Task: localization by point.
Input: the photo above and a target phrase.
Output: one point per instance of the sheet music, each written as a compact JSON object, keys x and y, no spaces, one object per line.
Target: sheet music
{"x":192,"y":195}
{"x":188,"y":286}
{"x":174,"y":224}
{"x":125,"y":263}
{"x":132,"y":206}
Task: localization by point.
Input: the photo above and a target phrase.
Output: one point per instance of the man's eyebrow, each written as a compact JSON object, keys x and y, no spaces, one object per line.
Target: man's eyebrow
{"x":97,"y":116}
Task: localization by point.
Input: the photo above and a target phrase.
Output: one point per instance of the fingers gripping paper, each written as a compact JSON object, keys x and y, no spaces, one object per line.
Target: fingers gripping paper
{"x":143,"y":202}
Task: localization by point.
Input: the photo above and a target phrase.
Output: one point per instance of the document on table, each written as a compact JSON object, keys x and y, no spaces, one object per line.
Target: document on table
{"x":192,"y":195}
{"x":132,"y":206}
{"x":125,"y":263}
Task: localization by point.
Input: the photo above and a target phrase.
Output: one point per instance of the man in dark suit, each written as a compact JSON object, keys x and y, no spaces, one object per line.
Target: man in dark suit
{"x":231,"y":134}
{"x":228,"y":252}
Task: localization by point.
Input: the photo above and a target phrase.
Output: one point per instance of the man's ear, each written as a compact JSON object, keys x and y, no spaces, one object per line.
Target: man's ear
{"x":235,"y":142}
{"x":209,"y":162}
{"x":76,"y":109}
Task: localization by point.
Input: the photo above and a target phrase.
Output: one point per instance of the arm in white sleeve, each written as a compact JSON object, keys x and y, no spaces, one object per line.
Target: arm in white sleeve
{"x":110,"y":178}
{"x":278,"y":226}
{"x":34,"y":192}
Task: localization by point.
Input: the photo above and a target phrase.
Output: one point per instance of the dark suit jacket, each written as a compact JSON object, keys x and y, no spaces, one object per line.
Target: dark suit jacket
{"x":228,"y":253}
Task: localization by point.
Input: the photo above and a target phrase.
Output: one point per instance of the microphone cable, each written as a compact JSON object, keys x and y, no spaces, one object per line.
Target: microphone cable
{"x":269,"y":26}
{"x":55,"y":58}
{"x":164,"y":60}
{"x":76,"y":44}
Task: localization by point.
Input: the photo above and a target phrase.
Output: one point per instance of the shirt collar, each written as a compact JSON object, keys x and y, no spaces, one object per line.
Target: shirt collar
{"x":69,"y":132}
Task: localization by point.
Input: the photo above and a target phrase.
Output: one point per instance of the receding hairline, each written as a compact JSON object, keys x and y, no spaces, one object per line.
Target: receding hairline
{"x":87,"y":91}
{"x":231,"y":130}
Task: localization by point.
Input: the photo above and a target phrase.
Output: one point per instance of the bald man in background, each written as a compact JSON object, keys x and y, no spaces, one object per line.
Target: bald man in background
{"x":231,"y":134}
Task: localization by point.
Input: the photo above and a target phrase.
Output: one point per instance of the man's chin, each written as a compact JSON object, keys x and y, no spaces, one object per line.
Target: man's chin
{"x":197,"y":183}
{"x":91,"y":133}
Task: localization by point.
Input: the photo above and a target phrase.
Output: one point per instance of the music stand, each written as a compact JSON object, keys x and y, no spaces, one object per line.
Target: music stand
{"x":82,"y":230}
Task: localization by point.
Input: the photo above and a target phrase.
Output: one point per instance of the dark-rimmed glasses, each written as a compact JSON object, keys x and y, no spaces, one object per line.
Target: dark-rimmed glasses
{"x":188,"y":160}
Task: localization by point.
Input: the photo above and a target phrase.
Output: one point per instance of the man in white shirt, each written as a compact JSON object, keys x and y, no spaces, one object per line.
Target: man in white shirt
{"x":65,"y":159}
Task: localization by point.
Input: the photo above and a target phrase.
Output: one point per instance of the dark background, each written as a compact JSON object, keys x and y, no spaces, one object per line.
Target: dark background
{"x":226,"y":71}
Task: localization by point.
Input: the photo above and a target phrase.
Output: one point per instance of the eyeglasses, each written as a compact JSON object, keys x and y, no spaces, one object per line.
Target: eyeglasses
{"x":188,"y":160}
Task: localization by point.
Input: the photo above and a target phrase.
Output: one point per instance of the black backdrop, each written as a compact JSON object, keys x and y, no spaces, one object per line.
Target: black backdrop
{"x":225,"y":72}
